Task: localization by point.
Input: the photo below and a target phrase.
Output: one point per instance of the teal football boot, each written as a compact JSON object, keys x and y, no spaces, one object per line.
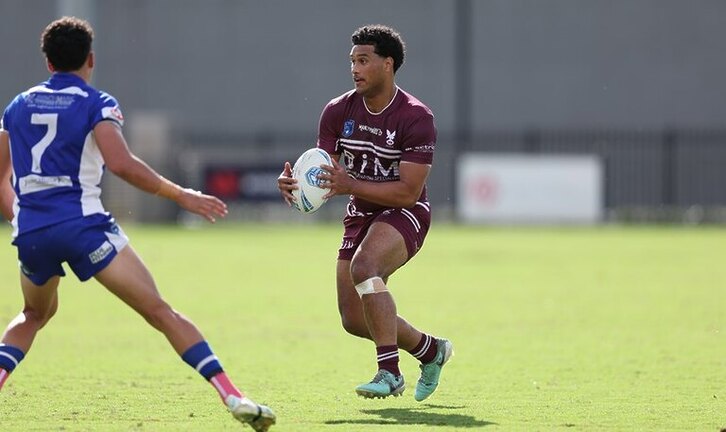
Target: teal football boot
{"x":430,"y":372}
{"x":384,"y":384}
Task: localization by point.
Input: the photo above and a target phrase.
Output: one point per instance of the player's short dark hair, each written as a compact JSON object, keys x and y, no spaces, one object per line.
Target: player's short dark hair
{"x":387,"y":42}
{"x":66,"y":43}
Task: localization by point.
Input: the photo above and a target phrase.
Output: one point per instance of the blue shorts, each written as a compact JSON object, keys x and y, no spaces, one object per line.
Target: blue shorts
{"x":87,"y":244}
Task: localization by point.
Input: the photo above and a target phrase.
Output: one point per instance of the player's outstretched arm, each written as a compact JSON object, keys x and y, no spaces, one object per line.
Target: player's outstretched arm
{"x":7,"y":194}
{"x":400,"y":194}
{"x":120,"y":161}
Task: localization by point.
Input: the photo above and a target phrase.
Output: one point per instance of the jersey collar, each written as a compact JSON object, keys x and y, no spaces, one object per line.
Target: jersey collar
{"x":384,"y":108}
{"x":67,"y":77}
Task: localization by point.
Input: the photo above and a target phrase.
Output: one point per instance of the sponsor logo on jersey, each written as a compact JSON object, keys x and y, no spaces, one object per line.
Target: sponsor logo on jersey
{"x":374,"y":131}
{"x":49,"y":100}
{"x":348,"y":128}
{"x":102,"y":252}
{"x":390,"y":137}
{"x":36,"y":183}
{"x":426,"y":148}
{"x":380,"y":173}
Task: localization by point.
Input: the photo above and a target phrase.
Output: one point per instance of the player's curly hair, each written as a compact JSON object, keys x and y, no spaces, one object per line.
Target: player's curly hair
{"x":66,"y":43}
{"x":386,"y":40}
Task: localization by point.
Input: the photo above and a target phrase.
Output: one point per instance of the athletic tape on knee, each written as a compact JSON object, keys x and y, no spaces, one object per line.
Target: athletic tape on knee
{"x":371,"y":286}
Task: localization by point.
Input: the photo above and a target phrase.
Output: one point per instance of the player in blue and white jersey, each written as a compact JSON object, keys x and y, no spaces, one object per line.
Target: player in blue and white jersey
{"x":55,"y":140}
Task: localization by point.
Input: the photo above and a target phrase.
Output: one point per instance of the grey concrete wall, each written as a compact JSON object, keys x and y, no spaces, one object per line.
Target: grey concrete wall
{"x":600,"y":63}
{"x":245,"y":70}
{"x":244,"y":66}
{"x":226,"y":65}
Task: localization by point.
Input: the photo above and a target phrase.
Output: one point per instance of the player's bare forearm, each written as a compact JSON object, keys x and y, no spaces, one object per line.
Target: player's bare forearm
{"x":120,"y":161}
{"x":402,"y":193}
{"x":140,"y":175}
{"x":390,"y":194}
{"x":136,"y":172}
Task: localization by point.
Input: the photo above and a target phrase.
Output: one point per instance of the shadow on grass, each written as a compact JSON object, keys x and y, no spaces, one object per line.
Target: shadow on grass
{"x":417,"y":416}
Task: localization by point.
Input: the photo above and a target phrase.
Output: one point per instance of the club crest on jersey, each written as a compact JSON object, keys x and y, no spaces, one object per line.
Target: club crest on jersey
{"x":116,"y":113}
{"x":348,"y":128}
{"x":113,"y":113}
{"x":390,"y":137}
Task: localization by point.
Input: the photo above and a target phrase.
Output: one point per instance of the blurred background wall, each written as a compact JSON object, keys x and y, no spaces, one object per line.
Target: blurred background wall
{"x":219,"y":92}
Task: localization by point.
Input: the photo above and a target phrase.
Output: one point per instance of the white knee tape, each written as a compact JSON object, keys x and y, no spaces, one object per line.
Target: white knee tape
{"x":371,"y":286}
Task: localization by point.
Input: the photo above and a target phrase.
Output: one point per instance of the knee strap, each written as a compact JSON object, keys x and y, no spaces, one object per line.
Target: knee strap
{"x":371,"y":286}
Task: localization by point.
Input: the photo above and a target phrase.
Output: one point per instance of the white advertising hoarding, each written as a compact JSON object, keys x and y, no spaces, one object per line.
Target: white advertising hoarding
{"x":517,"y":188}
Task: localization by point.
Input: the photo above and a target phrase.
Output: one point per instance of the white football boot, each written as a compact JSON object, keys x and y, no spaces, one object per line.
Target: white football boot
{"x":259,"y":417}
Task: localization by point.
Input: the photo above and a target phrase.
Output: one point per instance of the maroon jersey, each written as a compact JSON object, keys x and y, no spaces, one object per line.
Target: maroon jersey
{"x":374,"y":145}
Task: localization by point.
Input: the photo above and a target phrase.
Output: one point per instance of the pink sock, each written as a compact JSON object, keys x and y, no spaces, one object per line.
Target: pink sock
{"x":224,"y":386}
{"x":3,"y":377}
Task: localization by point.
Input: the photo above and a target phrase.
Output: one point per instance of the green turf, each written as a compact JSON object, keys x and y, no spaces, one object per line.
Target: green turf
{"x":554,"y":329}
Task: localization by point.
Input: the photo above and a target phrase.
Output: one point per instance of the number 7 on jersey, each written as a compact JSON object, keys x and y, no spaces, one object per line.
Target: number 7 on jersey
{"x":50,"y":120}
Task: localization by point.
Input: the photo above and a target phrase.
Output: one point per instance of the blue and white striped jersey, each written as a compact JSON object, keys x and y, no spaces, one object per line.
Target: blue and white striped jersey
{"x":57,"y":166}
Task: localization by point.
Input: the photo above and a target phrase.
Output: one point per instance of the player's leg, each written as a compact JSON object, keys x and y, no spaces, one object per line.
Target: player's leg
{"x":40,"y":304}
{"x":349,"y":304}
{"x":380,"y":253}
{"x":433,"y":353}
{"x":128,"y":278}
{"x":350,"y":308}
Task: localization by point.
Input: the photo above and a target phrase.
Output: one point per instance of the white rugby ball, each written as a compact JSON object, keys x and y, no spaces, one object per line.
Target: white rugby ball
{"x":309,"y":194}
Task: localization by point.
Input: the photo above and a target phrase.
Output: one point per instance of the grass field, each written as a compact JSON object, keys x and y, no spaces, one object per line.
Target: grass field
{"x":586,"y":329}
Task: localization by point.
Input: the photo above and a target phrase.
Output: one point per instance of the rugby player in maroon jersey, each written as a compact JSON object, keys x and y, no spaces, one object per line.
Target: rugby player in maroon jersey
{"x":382,"y":141}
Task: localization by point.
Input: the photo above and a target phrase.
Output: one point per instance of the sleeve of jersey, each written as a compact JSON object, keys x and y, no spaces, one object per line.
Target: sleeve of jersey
{"x":328,"y":130}
{"x":420,"y":141}
{"x":108,"y":109}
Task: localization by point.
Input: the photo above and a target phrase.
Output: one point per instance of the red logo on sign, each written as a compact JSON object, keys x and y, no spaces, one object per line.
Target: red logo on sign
{"x":223,"y":184}
{"x":483,"y":190}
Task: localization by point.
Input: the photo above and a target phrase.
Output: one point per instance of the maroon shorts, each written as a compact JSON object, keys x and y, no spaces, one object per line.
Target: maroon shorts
{"x":412,"y":223}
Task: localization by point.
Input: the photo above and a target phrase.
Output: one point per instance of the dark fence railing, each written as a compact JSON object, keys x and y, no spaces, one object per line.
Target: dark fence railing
{"x":659,"y":174}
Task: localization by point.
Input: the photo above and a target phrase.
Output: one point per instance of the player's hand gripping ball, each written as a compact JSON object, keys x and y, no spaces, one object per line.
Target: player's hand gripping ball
{"x":309,"y":194}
